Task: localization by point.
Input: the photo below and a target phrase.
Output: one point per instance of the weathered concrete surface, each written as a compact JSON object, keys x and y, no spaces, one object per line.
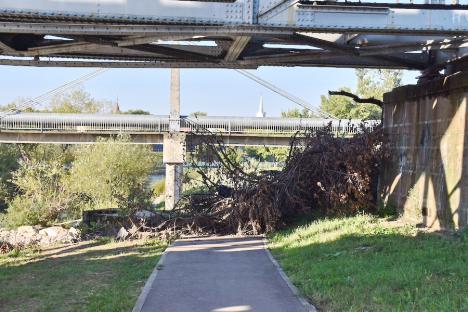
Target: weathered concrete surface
{"x":426,"y":178}
{"x":174,"y":181}
{"x":220,"y":274}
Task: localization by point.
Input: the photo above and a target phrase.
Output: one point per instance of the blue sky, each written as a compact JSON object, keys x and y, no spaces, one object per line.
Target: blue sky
{"x":219,"y":92}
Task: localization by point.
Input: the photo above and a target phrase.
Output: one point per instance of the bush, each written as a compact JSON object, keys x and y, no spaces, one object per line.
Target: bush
{"x":113,"y":173}
{"x":43,"y":194}
{"x":9,"y":156}
{"x":159,"y":188}
{"x":55,"y":183}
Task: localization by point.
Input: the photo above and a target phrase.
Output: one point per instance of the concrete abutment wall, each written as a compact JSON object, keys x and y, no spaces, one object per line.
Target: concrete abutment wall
{"x":426,"y":178}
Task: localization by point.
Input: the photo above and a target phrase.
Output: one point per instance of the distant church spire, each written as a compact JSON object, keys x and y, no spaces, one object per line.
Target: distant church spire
{"x":261,"y":112}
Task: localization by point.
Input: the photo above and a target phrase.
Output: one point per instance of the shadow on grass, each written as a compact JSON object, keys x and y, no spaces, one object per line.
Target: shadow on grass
{"x":86,"y":277}
{"x":379,"y":271}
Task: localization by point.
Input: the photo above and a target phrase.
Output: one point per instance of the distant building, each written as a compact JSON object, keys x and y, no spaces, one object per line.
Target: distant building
{"x":116,"y":108}
{"x":261,"y":112}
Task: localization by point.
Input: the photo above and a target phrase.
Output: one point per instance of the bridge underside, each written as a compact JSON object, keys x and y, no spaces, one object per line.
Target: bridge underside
{"x":237,"y":34}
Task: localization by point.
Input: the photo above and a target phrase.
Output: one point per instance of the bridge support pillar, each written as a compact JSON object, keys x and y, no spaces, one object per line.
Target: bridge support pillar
{"x":174,"y":146}
{"x":174,"y":178}
{"x":426,"y":176}
{"x":174,"y":156}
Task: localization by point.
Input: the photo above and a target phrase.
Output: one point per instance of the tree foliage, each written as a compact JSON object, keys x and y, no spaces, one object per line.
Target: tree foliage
{"x":371,"y":84}
{"x":298,"y":113}
{"x":374,"y":83}
{"x":198,"y":114}
{"x":78,"y":101}
{"x":273,"y":154}
{"x":136,"y":112}
{"x":9,"y":162}
{"x":113,"y":173}
{"x":43,"y":194}
{"x":14,"y":106}
{"x":54,"y":183}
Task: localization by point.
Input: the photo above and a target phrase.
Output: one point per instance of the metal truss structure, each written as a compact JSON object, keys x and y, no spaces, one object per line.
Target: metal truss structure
{"x":233,"y":34}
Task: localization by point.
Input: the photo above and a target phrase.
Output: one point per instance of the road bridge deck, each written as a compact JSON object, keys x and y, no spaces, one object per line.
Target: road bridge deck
{"x":150,"y":129}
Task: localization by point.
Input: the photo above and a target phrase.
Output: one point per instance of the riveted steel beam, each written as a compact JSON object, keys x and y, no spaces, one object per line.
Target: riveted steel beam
{"x":6,"y":48}
{"x":131,"y":32}
{"x":237,"y":47}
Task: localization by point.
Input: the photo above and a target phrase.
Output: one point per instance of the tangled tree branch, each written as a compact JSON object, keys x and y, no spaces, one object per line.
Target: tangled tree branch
{"x":356,"y":98}
{"x":325,"y":174}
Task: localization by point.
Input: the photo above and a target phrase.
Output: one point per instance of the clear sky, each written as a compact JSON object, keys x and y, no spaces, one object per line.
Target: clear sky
{"x":219,"y":92}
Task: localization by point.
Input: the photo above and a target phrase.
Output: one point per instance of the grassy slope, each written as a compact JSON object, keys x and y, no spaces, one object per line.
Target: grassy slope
{"x":366,"y":264}
{"x":91,"y":276}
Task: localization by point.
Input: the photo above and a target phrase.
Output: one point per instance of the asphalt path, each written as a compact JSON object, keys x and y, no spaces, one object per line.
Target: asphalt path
{"x":219,"y":274}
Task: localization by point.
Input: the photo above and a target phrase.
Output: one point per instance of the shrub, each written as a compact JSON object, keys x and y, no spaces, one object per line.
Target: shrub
{"x":113,"y":173}
{"x":159,"y":188}
{"x":9,"y":157}
{"x":43,"y":195}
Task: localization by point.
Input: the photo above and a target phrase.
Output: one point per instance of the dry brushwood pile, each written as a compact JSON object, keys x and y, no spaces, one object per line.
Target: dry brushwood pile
{"x":324,"y":173}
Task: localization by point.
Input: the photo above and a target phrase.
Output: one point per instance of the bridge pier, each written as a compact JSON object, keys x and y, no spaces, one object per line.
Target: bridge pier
{"x":174,"y":146}
{"x":426,"y":125}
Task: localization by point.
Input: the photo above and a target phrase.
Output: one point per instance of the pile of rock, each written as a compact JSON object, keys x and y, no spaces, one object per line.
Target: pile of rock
{"x":34,"y":235}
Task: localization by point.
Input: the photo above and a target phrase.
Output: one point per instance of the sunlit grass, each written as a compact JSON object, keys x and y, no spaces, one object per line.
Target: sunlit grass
{"x":366,"y":264}
{"x":90,"y":276}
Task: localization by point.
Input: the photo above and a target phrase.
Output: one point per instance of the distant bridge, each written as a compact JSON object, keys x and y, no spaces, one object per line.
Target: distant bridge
{"x":150,"y":129}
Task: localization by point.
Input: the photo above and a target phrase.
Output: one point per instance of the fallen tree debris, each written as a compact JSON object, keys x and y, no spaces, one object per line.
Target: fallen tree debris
{"x":325,"y":174}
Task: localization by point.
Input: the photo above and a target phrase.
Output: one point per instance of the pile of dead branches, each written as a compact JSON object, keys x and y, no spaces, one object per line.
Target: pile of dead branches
{"x":325,"y":174}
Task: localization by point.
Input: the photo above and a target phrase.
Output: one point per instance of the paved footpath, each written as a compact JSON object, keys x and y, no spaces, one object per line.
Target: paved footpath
{"x":221,"y":274}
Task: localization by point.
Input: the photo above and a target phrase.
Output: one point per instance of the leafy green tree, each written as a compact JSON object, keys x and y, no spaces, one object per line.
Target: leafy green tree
{"x":298,"y":113}
{"x":136,"y":112}
{"x":9,"y":162}
{"x":13,"y":106}
{"x":43,"y":194}
{"x":267,"y":153}
{"x":78,"y":101}
{"x":371,"y":84}
{"x":338,"y":106}
{"x":113,"y":173}
{"x":198,"y":114}
{"x":49,"y":152}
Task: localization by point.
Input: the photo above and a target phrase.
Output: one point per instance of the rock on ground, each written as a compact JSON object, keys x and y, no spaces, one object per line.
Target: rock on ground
{"x":34,"y":235}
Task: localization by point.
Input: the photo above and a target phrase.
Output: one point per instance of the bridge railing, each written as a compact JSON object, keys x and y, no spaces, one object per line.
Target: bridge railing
{"x":241,"y":125}
{"x":82,"y":123}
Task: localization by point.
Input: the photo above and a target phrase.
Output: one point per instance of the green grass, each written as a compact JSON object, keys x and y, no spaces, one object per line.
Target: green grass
{"x":368,"y":264}
{"x":90,"y":276}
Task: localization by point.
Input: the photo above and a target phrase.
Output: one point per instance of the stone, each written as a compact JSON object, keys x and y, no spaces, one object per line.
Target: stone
{"x":74,"y":235}
{"x":122,"y":234}
{"x":23,"y":236}
{"x":30,"y":235}
{"x":4,"y":234}
{"x":54,"y":234}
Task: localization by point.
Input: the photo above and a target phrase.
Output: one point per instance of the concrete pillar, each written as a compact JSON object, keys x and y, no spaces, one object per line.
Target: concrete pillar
{"x":174,"y":146}
{"x":174,"y":117}
{"x":174,"y":176}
